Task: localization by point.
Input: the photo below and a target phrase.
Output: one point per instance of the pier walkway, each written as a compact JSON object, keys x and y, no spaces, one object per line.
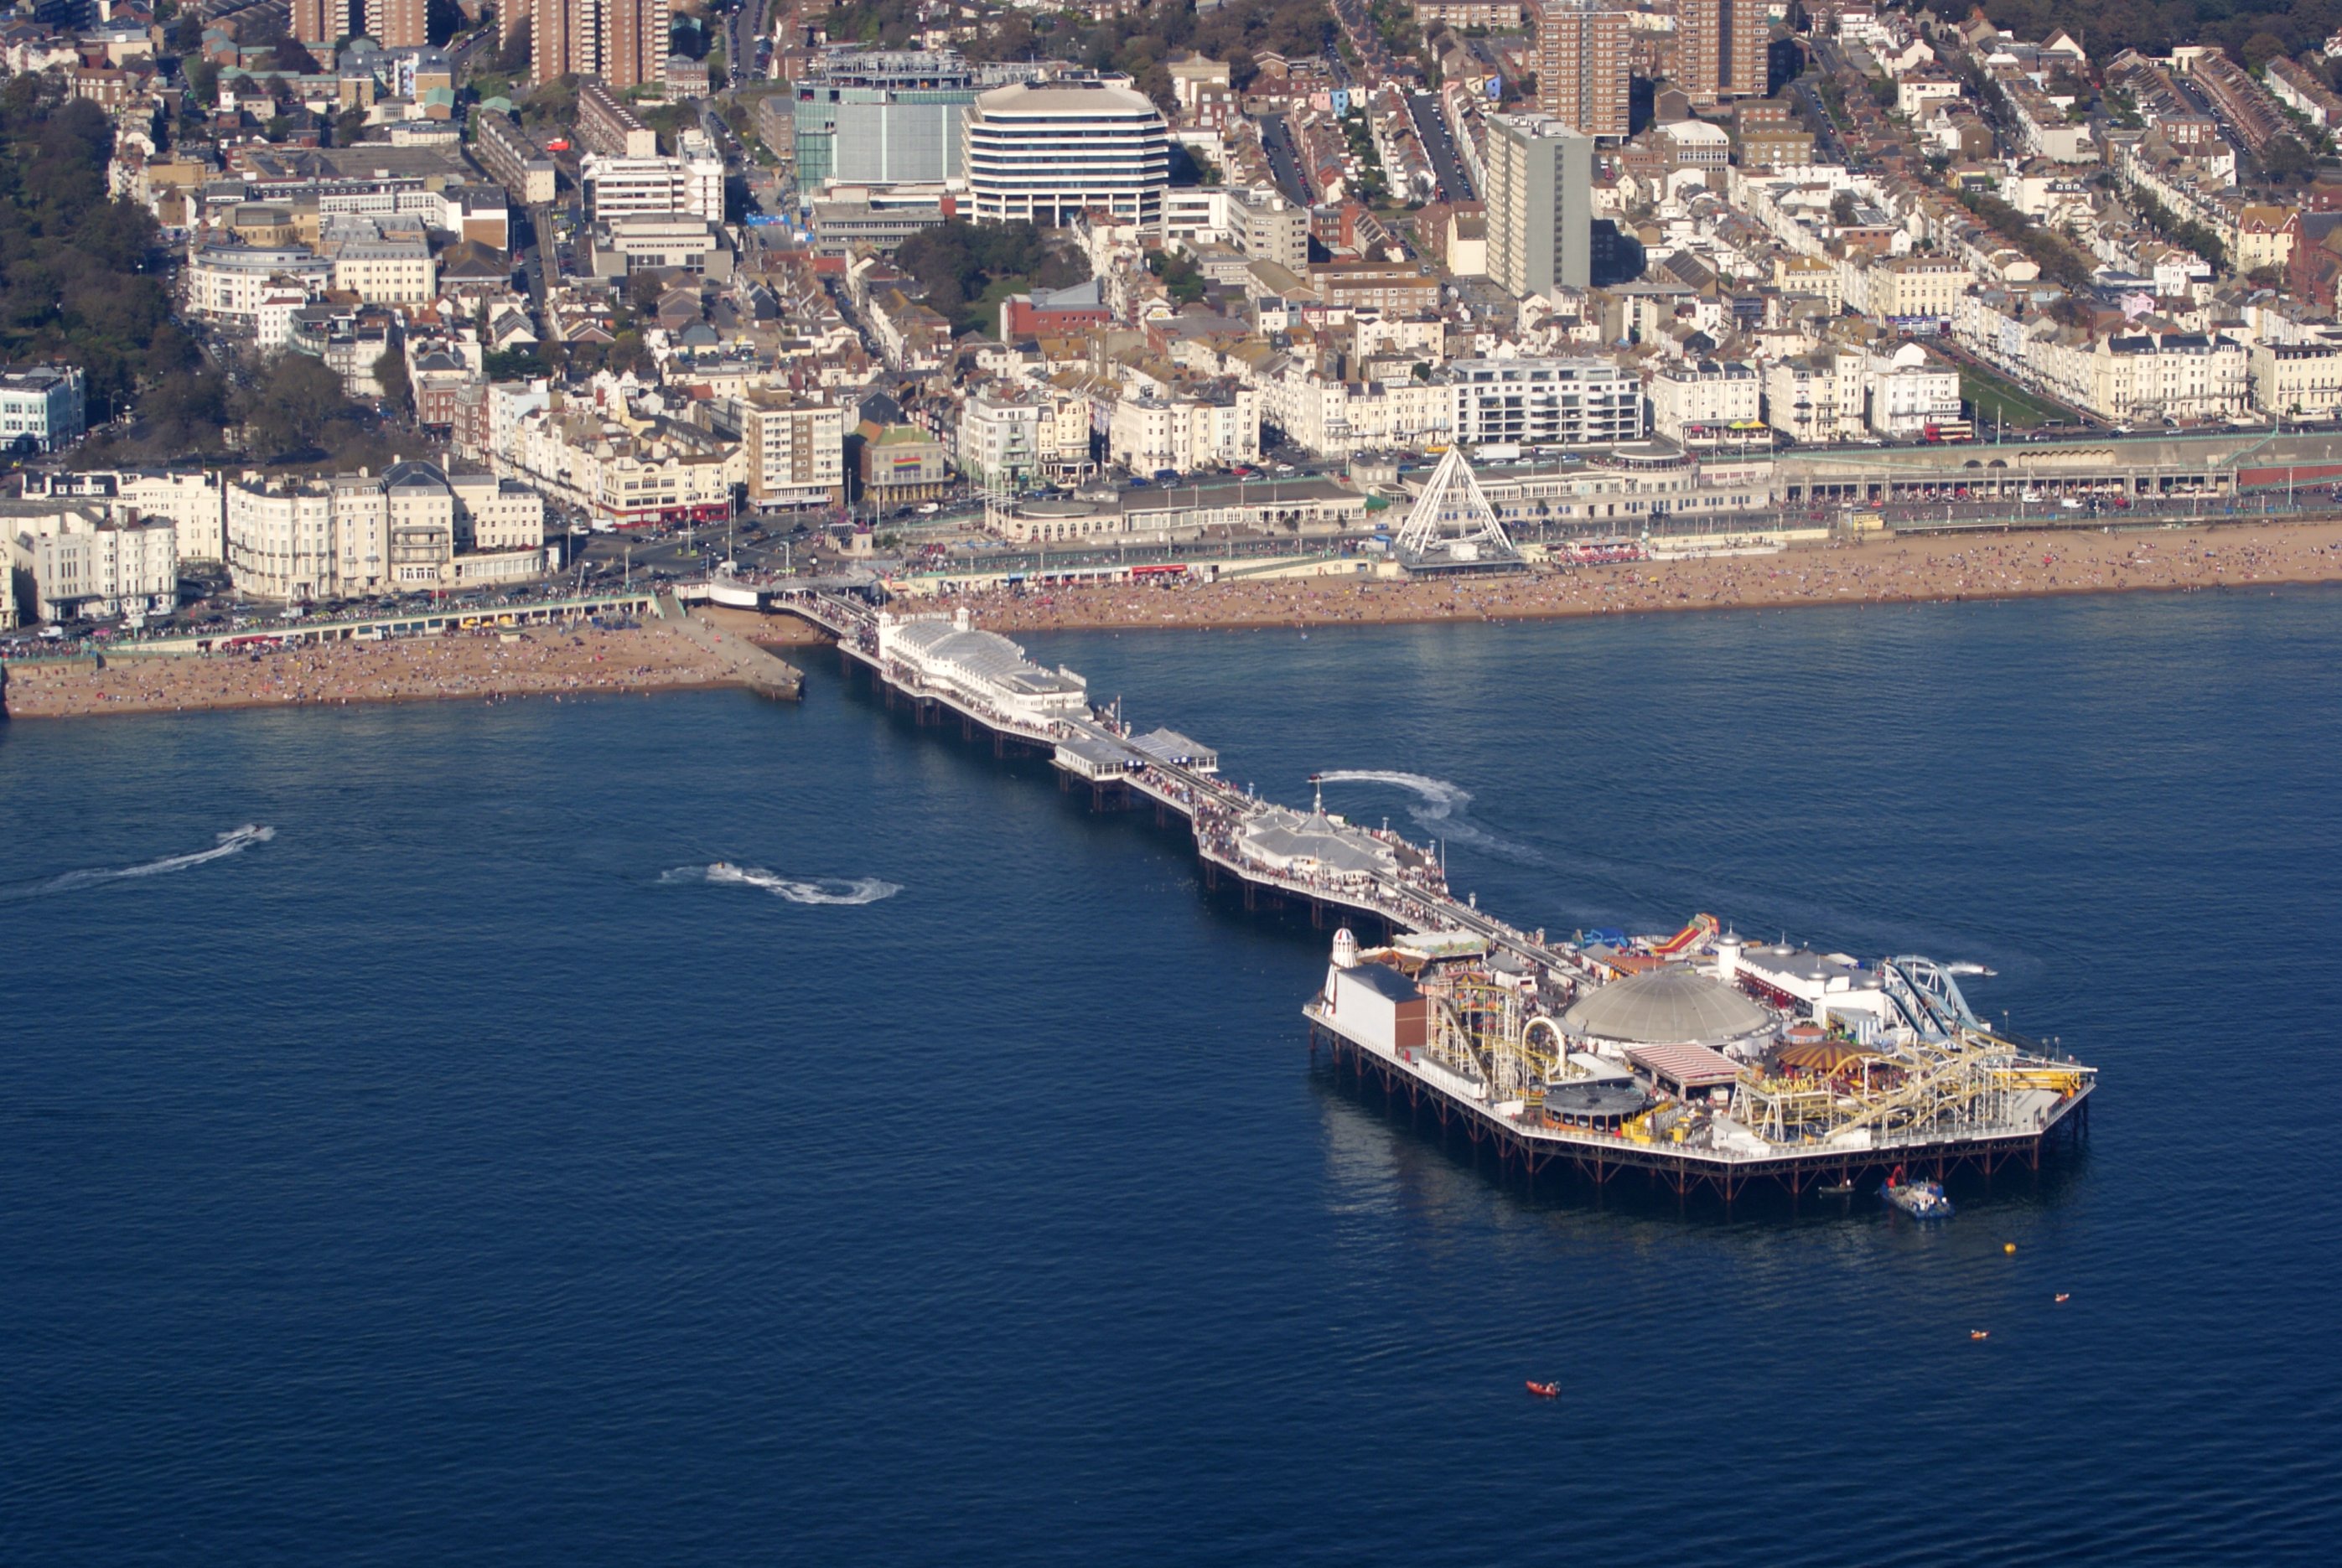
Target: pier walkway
{"x":1310,"y":860}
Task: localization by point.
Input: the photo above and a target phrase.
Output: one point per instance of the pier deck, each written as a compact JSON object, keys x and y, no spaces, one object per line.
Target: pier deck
{"x":1382,"y":879}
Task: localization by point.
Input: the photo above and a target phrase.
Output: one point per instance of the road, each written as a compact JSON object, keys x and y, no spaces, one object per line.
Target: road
{"x":744,"y":22}
{"x":1285,"y":160}
{"x":1431,"y":125}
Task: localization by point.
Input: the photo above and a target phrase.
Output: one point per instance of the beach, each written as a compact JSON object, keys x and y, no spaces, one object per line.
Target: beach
{"x":545,"y":662}
{"x":717,"y":647}
{"x":1891,"y":570}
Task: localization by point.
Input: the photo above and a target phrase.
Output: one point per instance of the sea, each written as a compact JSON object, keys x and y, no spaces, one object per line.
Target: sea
{"x":692,"y":1129}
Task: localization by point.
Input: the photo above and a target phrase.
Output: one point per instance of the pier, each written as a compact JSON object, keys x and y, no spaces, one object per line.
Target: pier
{"x":1699,"y":1061}
{"x":1273,"y":855}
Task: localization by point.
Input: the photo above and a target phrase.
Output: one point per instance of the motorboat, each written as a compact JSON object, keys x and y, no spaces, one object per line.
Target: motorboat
{"x":1920,"y":1200}
{"x":1544,"y":1390}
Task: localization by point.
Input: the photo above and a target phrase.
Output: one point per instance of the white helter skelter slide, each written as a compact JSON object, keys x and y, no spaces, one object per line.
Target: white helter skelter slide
{"x":1452,"y":511}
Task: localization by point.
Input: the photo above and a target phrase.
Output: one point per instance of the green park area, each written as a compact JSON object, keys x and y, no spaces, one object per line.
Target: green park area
{"x":1997,"y":401}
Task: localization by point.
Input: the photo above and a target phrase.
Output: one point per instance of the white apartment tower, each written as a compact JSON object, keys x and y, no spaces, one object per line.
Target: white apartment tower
{"x":1047,"y":151}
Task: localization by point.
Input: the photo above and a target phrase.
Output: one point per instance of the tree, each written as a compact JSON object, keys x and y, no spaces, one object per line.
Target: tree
{"x":512,"y":55}
{"x":514,"y":365}
{"x":290,"y":405}
{"x":1842,"y":208}
{"x":291,"y":55}
{"x":397,"y":387}
{"x":2287,"y":162}
{"x":2260,"y":49}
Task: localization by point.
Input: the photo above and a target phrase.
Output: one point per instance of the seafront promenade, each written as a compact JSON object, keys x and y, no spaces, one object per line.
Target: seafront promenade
{"x":454,"y":651}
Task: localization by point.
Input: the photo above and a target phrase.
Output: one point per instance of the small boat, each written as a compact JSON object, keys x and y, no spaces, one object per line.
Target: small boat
{"x":2064,"y":1296}
{"x":1979,"y":1333}
{"x":1920,"y":1200}
{"x":1544,"y":1390}
{"x":1836,"y":1190}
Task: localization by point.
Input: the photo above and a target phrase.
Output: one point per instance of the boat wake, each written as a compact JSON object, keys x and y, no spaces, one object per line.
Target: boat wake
{"x":795,"y":888}
{"x":1442,"y":806}
{"x":236,"y":841}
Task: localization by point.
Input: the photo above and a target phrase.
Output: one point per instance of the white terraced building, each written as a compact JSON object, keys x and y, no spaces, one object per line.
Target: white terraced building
{"x":1545,"y":402}
{"x":1045,"y":150}
{"x":987,"y":672}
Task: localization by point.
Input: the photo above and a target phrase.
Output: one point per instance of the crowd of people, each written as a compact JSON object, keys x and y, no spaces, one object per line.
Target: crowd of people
{"x":1901,"y":570}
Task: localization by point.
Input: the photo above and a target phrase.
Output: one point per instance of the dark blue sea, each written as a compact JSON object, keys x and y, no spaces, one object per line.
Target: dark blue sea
{"x":464,"y":1172}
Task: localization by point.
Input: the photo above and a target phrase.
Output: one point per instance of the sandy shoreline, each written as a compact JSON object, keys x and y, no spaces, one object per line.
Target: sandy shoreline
{"x":541,"y":662}
{"x":558,"y":661}
{"x":1927,"y":569}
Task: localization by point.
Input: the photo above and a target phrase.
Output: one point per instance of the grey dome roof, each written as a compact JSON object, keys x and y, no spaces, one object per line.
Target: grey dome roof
{"x":1674,"y":1005}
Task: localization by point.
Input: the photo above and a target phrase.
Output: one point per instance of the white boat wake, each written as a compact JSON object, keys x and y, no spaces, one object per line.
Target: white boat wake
{"x":236,"y":841}
{"x":1441,"y":799}
{"x":795,"y":888}
{"x":1442,"y":806}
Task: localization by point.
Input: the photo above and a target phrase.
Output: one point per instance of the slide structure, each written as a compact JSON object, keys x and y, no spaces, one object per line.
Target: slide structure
{"x":1701,"y":928}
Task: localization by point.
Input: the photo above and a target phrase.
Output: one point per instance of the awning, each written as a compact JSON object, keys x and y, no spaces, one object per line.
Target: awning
{"x":1690,"y":1066}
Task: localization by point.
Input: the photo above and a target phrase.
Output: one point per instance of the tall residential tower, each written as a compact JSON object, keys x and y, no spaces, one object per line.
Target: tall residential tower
{"x":1581,"y":59}
{"x":1540,"y":203}
{"x":1721,"y":49}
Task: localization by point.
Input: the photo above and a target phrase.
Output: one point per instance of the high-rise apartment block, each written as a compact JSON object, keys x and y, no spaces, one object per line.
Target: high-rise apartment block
{"x":1721,"y":49}
{"x":634,"y":42}
{"x":316,"y":21}
{"x":564,"y":37}
{"x":1581,"y":59}
{"x":1540,"y":203}
{"x":396,"y":24}
{"x":624,"y":42}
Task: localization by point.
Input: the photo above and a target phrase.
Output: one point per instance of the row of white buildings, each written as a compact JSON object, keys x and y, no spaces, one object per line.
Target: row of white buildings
{"x":104,"y":543}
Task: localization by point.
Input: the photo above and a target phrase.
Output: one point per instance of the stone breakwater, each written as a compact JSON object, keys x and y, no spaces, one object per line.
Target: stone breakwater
{"x":540,"y":662}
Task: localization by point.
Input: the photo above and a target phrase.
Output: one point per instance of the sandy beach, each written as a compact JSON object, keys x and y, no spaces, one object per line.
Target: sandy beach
{"x":550,"y":663}
{"x":541,"y":662}
{"x":1887,"y":571}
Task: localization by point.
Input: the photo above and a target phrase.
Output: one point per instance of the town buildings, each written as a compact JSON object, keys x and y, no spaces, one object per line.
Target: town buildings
{"x":41,"y":407}
{"x":793,"y":447}
{"x":68,"y":566}
{"x":414,"y":526}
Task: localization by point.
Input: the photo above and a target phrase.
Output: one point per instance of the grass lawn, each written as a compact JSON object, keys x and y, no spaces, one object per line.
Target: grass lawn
{"x":2004,"y":401}
{"x":981,"y":316}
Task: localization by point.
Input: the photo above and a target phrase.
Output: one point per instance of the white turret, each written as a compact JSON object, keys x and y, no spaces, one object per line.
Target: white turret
{"x":1728,"y":958}
{"x":1346,"y":949}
